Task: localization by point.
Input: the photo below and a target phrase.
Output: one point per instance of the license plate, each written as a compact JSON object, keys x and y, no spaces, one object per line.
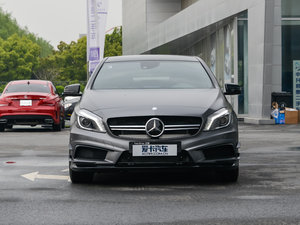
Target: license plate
{"x":154,"y":149}
{"x":25,"y":102}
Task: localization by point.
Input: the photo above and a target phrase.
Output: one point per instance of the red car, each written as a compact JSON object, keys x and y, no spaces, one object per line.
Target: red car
{"x":31,"y":102}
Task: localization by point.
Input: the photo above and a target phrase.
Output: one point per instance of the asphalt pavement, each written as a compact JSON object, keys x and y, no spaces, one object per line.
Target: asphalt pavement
{"x":35,"y":188}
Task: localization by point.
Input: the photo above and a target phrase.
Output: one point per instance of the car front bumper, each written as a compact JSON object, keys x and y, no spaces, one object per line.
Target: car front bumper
{"x":95,"y":152}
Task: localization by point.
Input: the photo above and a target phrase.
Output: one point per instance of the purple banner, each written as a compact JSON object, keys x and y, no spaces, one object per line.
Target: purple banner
{"x":94,"y":54}
{"x":93,"y":65}
{"x":97,"y":13}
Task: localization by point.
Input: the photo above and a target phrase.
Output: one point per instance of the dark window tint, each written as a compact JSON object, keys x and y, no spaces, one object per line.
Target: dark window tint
{"x":290,"y":52}
{"x":152,"y":75}
{"x":290,"y":8}
{"x":44,"y":88}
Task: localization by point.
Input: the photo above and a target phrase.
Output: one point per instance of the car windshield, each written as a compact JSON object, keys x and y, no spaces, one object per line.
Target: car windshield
{"x":44,"y":88}
{"x":152,"y":75}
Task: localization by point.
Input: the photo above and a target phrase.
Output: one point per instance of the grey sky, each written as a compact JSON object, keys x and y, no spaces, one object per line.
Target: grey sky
{"x":58,"y":20}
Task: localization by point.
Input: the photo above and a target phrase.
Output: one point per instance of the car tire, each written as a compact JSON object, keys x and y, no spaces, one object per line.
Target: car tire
{"x":2,"y":128}
{"x":228,"y":175}
{"x":59,"y":126}
{"x":9,"y":126}
{"x":81,"y":177}
{"x":63,"y":123}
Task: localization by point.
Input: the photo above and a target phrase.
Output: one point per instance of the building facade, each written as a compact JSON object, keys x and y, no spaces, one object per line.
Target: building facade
{"x":254,"y":43}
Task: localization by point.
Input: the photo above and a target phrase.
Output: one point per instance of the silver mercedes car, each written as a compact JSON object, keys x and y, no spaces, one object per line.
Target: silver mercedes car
{"x":153,"y":112}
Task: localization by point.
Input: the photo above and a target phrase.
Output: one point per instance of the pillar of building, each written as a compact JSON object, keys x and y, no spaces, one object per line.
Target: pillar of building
{"x":264,"y":58}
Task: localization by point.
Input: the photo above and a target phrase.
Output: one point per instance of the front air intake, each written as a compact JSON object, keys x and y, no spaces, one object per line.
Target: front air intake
{"x":88,"y":153}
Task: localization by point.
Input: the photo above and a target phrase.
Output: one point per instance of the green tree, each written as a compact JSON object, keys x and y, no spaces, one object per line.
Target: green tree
{"x":18,"y":57}
{"x":47,"y":68}
{"x":9,"y":27}
{"x":113,"y":43}
{"x":68,"y":63}
{"x":72,"y":60}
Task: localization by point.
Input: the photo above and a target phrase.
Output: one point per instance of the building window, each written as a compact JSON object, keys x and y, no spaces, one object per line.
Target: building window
{"x":290,"y":8}
{"x":243,"y":63}
{"x":290,"y":52}
{"x":290,"y":42}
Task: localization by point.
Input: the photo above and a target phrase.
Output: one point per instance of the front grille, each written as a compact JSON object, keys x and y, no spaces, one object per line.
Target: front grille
{"x":175,"y":126}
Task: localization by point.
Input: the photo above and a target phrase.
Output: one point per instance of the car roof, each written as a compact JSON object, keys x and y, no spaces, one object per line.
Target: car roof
{"x":30,"y":81}
{"x":152,"y":57}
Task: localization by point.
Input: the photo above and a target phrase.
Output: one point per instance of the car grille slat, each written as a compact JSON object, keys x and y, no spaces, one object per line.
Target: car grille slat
{"x":126,"y":129}
{"x":142,"y":126}
{"x":135,"y":127}
{"x":181,"y":128}
{"x":132,"y":128}
{"x":183,"y":125}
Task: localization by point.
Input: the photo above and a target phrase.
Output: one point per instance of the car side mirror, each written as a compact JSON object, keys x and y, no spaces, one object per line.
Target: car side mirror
{"x":72,"y":90}
{"x":232,"y":89}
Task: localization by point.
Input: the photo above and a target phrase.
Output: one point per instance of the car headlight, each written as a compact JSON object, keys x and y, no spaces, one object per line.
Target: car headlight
{"x":67,"y":105}
{"x":218,"y":120}
{"x":89,"y":121}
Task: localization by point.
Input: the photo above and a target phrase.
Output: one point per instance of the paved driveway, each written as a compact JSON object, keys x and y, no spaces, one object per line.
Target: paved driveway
{"x":34,"y":186}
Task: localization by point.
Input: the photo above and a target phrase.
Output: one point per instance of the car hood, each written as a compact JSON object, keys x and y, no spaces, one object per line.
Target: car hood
{"x":123,"y":103}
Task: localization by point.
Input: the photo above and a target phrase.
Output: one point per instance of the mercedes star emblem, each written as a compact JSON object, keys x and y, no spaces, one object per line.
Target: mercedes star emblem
{"x":155,"y":127}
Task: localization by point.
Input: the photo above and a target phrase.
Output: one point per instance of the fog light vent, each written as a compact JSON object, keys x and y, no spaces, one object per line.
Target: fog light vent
{"x":89,"y":153}
{"x":219,"y":152}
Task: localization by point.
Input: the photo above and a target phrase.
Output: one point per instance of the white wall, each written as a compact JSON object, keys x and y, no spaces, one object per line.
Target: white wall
{"x":134,"y":26}
{"x":158,"y":11}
